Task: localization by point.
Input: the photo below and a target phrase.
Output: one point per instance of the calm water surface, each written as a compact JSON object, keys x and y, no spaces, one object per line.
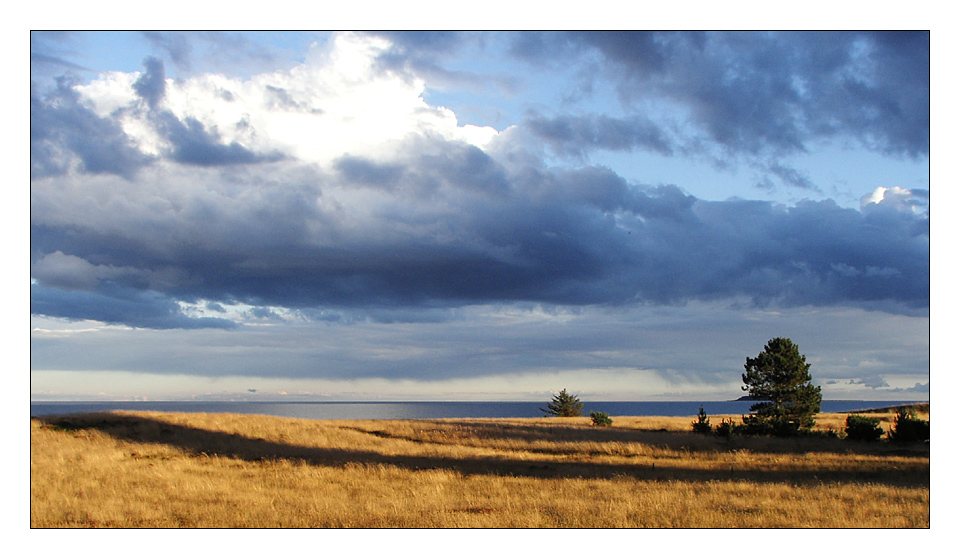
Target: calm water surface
{"x":428,"y":410}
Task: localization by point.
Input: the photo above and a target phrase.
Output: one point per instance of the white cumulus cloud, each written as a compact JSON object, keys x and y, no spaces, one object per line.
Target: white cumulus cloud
{"x":336,"y":102}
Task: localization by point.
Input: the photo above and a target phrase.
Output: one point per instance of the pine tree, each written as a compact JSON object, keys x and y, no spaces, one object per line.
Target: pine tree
{"x":908,"y":428}
{"x":564,"y":405}
{"x":779,"y":379}
{"x":702,"y":424}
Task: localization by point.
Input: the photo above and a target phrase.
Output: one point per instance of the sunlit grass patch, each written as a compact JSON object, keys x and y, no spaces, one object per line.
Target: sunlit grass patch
{"x":219,"y":470}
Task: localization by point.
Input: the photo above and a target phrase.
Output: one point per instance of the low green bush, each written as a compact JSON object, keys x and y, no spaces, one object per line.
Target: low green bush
{"x":771,"y":426}
{"x":863,"y":428}
{"x":600,"y":419}
{"x":726,"y":428}
{"x":907,"y":428}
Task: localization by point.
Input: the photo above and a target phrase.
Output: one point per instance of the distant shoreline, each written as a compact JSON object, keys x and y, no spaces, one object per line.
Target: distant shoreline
{"x":437,"y":409}
{"x":536,"y":402}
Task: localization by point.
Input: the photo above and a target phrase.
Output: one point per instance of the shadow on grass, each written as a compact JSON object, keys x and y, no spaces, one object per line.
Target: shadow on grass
{"x":197,"y":441}
{"x":677,"y":441}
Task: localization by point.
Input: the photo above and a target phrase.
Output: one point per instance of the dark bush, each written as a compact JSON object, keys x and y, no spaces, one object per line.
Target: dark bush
{"x":907,"y":428}
{"x":702,"y":424}
{"x":726,"y":428}
{"x":600,"y":419}
{"x":752,"y":425}
{"x":756,"y":425}
{"x":862,"y":428}
{"x":770,"y":426}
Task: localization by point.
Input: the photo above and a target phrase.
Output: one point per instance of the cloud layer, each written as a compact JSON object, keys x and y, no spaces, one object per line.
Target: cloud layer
{"x":476,"y":215}
{"x":335,"y":186}
{"x":767,"y":92}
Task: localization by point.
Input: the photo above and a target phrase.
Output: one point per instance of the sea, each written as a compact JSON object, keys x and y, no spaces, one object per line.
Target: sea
{"x":431,"y":409}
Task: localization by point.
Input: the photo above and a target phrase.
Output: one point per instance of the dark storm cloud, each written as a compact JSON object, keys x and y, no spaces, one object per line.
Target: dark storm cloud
{"x":791,"y":176}
{"x":420,"y":50}
{"x":455,"y":165}
{"x":817,"y":253}
{"x":421,"y":53}
{"x":772,"y":93}
{"x":116,"y":304}
{"x":192,"y":51}
{"x":461,"y":227}
{"x":263,"y":313}
{"x":364,"y":172}
{"x":176,"y":45}
{"x":52,"y":53}
{"x":464,"y":166}
{"x":63,"y":127}
{"x":38,"y":58}
{"x":578,"y":135}
{"x":192,"y":143}
{"x":151,"y":86}
{"x":216,"y":307}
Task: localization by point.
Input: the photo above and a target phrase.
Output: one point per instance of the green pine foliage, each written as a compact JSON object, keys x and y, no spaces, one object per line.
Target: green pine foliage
{"x":779,"y":380}
{"x":726,"y":428}
{"x":862,"y":428}
{"x":702,"y":424}
{"x":907,"y":428}
{"x":600,"y":419}
{"x":564,"y":405}
{"x":759,"y":425}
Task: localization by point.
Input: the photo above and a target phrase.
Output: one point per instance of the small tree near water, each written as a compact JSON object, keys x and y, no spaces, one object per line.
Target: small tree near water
{"x":726,"y":428}
{"x":600,"y":419}
{"x":702,"y":424}
{"x":908,"y":428}
{"x":564,"y":405}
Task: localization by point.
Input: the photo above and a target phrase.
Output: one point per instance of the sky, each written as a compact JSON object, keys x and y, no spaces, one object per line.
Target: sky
{"x":476,"y":215}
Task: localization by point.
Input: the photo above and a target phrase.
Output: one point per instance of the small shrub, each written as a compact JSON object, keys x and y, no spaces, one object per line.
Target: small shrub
{"x":753,"y":425}
{"x":907,"y":428}
{"x":600,"y":419}
{"x":702,"y":424}
{"x":726,"y":429}
{"x":862,"y":428}
{"x":771,"y":426}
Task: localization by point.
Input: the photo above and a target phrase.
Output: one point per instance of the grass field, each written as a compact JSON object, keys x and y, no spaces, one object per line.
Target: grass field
{"x":143,"y":469}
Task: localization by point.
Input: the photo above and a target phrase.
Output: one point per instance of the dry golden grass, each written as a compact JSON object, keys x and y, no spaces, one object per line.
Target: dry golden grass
{"x":218,"y":470}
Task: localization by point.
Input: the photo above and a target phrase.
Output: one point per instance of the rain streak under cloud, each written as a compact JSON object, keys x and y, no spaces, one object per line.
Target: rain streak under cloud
{"x":477,"y":215}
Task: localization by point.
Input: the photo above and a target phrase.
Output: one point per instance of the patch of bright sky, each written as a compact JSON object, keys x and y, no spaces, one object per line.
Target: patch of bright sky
{"x":506,"y":89}
{"x":618,"y":384}
{"x":841,"y":174}
{"x":609,"y":384}
{"x":124,"y":51}
{"x":846,"y":174}
{"x":114,"y":51}
{"x":495,"y":96}
{"x":609,"y":354}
